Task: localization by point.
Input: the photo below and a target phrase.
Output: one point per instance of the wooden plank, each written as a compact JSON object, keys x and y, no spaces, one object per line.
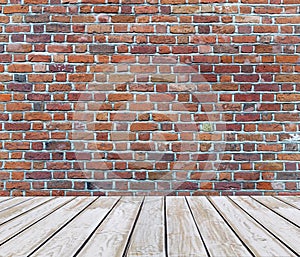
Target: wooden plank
{"x":17,"y":225}
{"x":283,"y":209}
{"x":258,"y":240}
{"x":217,"y":235}
{"x":148,"y":236}
{"x":27,"y":241}
{"x":292,"y":200}
{"x":12,"y":202}
{"x":68,"y":240}
{"x":111,"y":237}
{"x":19,"y":209}
{"x":182,"y":233}
{"x":284,"y":230}
{"x":4,"y":198}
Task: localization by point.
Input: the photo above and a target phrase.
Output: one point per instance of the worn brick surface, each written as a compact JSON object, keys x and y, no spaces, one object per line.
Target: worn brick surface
{"x":166,"y":97}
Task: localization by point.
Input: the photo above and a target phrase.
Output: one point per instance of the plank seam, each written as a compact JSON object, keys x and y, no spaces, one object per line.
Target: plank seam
{"x":277,"y":213}
{"x":132,"y":229}
{"x":16,"y":204}
{"x":5,"y":200}
{"x":23,"y":213}
{"x":202,"y":239}
{"x":282,"y":200}
{"x":21,"y":231}
{"x":231,"y":228}
{"x":165,"y":227}
{"x":96,"y":228}
{"x":62,"y":227}
{"x":286,"y":245}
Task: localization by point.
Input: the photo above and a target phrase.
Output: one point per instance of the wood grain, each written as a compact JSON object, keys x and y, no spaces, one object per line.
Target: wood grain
{"x":17,"y":225}
{"x":150,"y":226}
{"x":12,"y":202}
{"x":283,"y":209}
{"x":111,"y":237}
{"x":4,"y":198}
{"x":183,"y":236}
{"x":258,"y":240}
{"x":148,"y":236}
{"x":19,"y":209}
{"x":284,"y":230}
{"x":68,"y":240}
{"x":25,"y":242}
{"x":217,"y":235}
{"x":292,"y":200}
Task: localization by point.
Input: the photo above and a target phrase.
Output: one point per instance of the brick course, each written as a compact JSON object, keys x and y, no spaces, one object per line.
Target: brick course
{"x":149,"y":97}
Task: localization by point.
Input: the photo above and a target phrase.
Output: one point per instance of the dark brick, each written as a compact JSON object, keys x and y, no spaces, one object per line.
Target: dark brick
{"x":20,"y":78}
{"x":18,"y":38}
{"x":102,"y":49}
{"x":96,"y":185}
{"x":58,"y":28}
{"x":161,"y":157}
{"x":41,"y":18}
{"x":38,"y":106}
{"x":38,"y":38}
{"x":204,"y":29}
{"x":227,"y":186}
{"x":61,"y":68}
{"x":58,"y":145}
{"x":37,"y":156}
{"x":59,"y":184}
{"x":38,"y":175}
{"x":19,"y":87}
{"x":38,"y":28}
{"x":288,"y":175}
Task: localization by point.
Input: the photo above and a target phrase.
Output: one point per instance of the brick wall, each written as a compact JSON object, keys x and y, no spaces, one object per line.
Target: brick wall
{"x":106,"y":97}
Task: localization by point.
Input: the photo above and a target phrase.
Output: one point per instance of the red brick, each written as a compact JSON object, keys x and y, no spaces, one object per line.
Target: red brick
{"x":81,"y":77}
{"x":15,"y":9}
{"x":19,"y":48}
{"x":123,"y":18}
{"x":20,"y":68}
{"x":143,"y":126}
{"x":37,"y":156}
{"x":37,"y":116}
{"x":80,"y":58}
{"x":145,"y":9}
{"x":17,"y":185}
{"x":106,"y":9}
{"x":17,"y":126}
{"x":269,"y":127}
{"x":143,"y":49}
{"x":227,"y":186}
{"x":38,"y":175}
{"x":59,"y":49}
{"x":17,"y":165}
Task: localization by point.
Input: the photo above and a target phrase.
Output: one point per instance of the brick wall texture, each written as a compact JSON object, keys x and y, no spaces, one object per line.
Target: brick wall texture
{"x":149,"y":97}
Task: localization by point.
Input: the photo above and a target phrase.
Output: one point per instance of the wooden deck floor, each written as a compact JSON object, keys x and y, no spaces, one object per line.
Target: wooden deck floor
{"x":150,"y":226}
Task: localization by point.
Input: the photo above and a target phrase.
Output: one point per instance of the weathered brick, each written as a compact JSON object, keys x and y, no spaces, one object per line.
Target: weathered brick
{"x":182,"y":29}
{"x":38,"y":18}
{"x":19,"y":48}
{"x":102,"y":49}
{"x":171,"y":97}
{"x":143,"y":126}
{"x":17,"y":126}
{"x":58,"y":28}
{"x":37,"y":156}
{"x":15,"y":9}
{"x":123,"y":18}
